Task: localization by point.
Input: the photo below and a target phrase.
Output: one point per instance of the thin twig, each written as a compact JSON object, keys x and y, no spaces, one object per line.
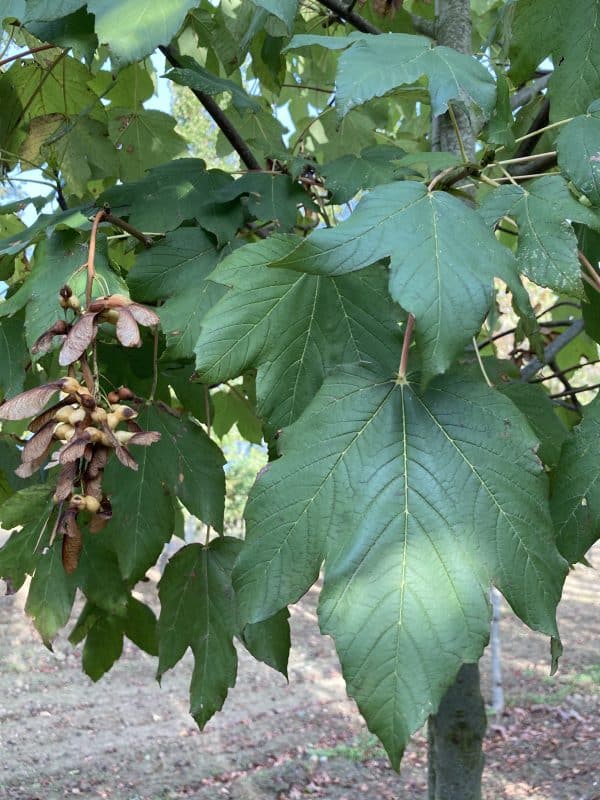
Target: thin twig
{"x":17,"y":56}
{"x":340,"y":10}
{"x":575,"y":390}
{"x":513,"y":178}
{"x":566,"y":371}
{"x":91,"y":270}
{"x":455,"y":125}
{"x":593,"y":274}
{"x":219,"y":117}
{"x":410,"y":323}
{"x":543,"y":130}
{"x":551,"y":351}
{"x":531,"y":157}
{"x":144,"y":238}
{"x":309,"y":88}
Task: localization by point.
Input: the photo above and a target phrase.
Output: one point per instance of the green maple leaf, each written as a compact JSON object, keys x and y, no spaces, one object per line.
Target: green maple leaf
{"x":578,"y":146}
{"x":372,"y":66}
{"x":30,"y":508}
{"x":293,"y":327}
{"x":198,"y":611}
{"x":575,"y":500}
{"x":416,"y":503}
{"x":173,"y":193}
{"x":547,"y":249}
{"x":570,"y":33}
{"x":144,"y":139}
{"x":442,"y":262}
{"x":186,"y":464}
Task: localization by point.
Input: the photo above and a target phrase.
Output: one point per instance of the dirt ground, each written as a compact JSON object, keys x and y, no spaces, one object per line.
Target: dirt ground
{"x":126,"y":738}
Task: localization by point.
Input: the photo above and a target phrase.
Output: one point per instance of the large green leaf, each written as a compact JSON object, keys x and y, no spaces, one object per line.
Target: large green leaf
{"x":30,"y":508}
{"x":191,"y":463}
{"x":416,"y":504}
{"x":13,"y":355}
{"x":346,"y":175}
{"x":172,"y":193}
{"x":144,"y":139}
{"x":51,"y":593}
{"x":198,"y":611}
{"x":442,"y":262}
{"x":134,"y":28}
{"x":293,"y":327}
{"x":578,"y":146}
{"x":372,"y":66}
{"x":570,"y":33}
{"x":575,"y":499}
{"x":175,"y":271}
{"x":543,"y":209}
{"x":174,"y":265}
{"x":268,"y":197}
{"x":184,"y":463}
{"x":285,"y":10}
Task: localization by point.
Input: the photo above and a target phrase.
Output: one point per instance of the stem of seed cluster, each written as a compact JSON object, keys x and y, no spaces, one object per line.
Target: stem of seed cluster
{"x":91,"y":270}
{"x":594,"y":277}
{"x":410,"y":323}
{"x":481,"y":365}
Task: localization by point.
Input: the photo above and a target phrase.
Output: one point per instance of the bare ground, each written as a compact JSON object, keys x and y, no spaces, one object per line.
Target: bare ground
{"x":126,"y":738}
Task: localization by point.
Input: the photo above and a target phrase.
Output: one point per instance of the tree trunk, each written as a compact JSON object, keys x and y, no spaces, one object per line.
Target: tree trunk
{"x":455,"y":733}
{"x":455,"y":740}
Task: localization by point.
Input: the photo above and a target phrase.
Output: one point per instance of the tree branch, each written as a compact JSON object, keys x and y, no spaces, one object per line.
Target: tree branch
{"x":524,"y":95}
{"x":552,"y":350}
{"x":17,"y":56}
{"x":340,"y":10}
{"x":542,"y":118}
{"x":219,"y":117}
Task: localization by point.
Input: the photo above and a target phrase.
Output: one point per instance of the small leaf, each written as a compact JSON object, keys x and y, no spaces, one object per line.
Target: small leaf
{"x":575,"y":501}
{"x":127,"y":329}
{"x":79,"y":338}
{"x":543,"y":211}
{"x":198,"y":611}
{"x":103,"y":646}
{"x":29,"y":403}
{"x":51,"y":594}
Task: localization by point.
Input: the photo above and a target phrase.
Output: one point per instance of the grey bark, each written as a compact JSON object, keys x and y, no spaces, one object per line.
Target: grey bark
{"x":456,"y":731}
{"x":496,"y":652}
{"x":455,"y":740}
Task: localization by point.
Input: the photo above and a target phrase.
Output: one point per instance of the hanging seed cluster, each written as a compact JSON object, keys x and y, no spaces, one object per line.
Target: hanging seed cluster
{"x":79,"y":433}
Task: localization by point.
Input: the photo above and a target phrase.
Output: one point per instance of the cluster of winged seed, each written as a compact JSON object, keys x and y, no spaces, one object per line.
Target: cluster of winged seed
{"x":80,"y":432}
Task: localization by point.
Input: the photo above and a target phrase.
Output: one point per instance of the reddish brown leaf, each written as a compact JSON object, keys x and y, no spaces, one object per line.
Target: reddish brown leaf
{"x":29,"y":403}
{"x":75,"y":449}
{"x":128,"y":332}
{"x":66,"y":480}
{"x":93,"y":487}
{"x":29,"y":468}
{"x":98,"y":461}
{"x":79,"y":339}
{"x":39,"y":444}
{"x":72,"y":542}
{"x":145,"y":438}
{"x":123,"y":455}
{"x":143,"y":315}
{"x":43,"y":344}
{"x":47,"y":415}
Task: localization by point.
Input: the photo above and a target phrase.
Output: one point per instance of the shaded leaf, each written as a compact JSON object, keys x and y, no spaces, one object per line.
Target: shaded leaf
{"x":293,"y":327}
{"x":578,"y":146}
{"x":198,"y":611}
{"x":442,"y":262}
{"x":575,"y":500}
{"x":197,"y":77}
{"x":372,"y":66}
{"x":543,"y":209}
{"x":51,"y":593}
{"x":417,"y":498}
